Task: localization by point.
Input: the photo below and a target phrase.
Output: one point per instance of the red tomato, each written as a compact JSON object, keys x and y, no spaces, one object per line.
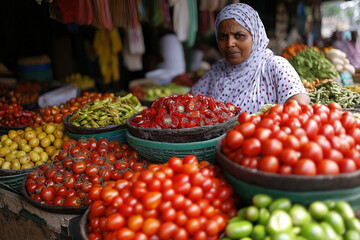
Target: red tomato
{"x":348,"y":121}
{"x":135,"y":222}
{"x":244,"y":117}
{"x":151,"y":200}
{"x":47,"y":193}
{"x":305,"y":167}
{"x":97,"y":209}
{"x":150,"y":226}
{"x":311,"y":128}
{"x":347,"y":165}
{"x":246,"y":129}
{"x":312,"y":150}
{"x":251,"y":147}
{"x":167,"y":230}
{"x":271,"y":147}
{"x":285,"y":169}
{"x":327,"y":167}
{"x":234,"y":139}
{"x":269,"y":164}
{"x":262,"y":134}
{"x":289,"y":156}
{"x":291,"y":142}
{"x":115,"y":221}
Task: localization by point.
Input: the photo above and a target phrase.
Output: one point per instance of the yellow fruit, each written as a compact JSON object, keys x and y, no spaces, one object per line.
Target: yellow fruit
{"x":56,"y":152}
{"x":60,"y":126}
{"x":15,"y":164}
{"x":38,"y":150}
{"x":34,"y":156}
{"x":4,"y":151}
{"x":3,"y":137}
{"x":13,"y":146}
{"x":58,"y":133}
{"x":10,"y":157}
{"x":52,"y":137}
{"x":50,"y":150}
{"x":12,"y":134}
{"x":26,"y":165}
{"x":22,"y":141}
{"x":38,"y":130}
{"x":20,"y":132}
{"x":25,"y":147}
{"x":34,"y":142}
{"x":49,"y":128}
{"x":7,"y":142}
{"x":45,"y":142}
{"x":28,"y":129}
{"x":38,"y":163}
{"x":66,"y":137}
{"x":20,"y":154}
{"x":41,"y":135}
{"x":6,"y":165}
{"x":31,"y":164}
{"x":44,"y":156}
{"x":29,"y":134}
{"x":58,"y":143}
{"x":2,"y":161}
{"x":17,"y":139}
{"x":24,"y":159}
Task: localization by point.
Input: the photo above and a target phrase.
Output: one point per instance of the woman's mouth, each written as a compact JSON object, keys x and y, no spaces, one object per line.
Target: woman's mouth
{"x":232,"y":53}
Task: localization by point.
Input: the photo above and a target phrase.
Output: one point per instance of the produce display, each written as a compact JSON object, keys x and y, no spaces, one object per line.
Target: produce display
{"x":82,"y":82}
{"x":109,"y":111}
{"x":331,"y":91}
{"x":185,"y":111}
{"x":21,"y":149}
{"x":76,"y":176}
{"x":341,"y":63}
{"x":152,"y":92}
{"x":293,"y":49}
{"x":13,"y":115}
{"x":57,"y":113}
{"x":21,"y":98}
{"x":310,"y":85}
{"x":281,"y":219}
{"x":182,"y":199}
{"x":311,"y":64}
{"x":296,"y":139}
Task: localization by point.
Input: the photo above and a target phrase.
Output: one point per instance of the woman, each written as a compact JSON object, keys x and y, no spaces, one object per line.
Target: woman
{"x":249,"y":75}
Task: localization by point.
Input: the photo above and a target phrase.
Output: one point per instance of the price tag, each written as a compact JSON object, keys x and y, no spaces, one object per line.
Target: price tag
{"x":346,"y":78}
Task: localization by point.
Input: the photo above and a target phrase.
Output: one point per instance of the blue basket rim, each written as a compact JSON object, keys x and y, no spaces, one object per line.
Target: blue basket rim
{"x":35,"y":67}
{"x":179,"y":146}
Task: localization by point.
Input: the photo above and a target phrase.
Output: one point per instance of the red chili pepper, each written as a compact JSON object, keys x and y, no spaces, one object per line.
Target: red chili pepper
{"x":18,"y":114}
{"x":183,"y":122}
{"x":2,"y":112}
{"x":193,"y":105}
{"x":195,"y":114}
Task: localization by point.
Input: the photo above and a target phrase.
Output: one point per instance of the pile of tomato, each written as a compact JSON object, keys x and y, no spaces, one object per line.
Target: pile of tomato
{"x":79,"y":171}
{"x":185,"y":111}
{"x":181,"y":199}
{"x":13,"y":115}
{"x":58,"y":113}
{"x":296,"y":139}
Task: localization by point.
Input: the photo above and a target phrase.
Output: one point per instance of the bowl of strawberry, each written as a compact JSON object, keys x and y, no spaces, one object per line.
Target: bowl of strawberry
{"x":294,"y":147}
{"x":183,"y":118}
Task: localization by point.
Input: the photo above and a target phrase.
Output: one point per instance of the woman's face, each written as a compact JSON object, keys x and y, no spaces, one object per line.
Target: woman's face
{"x":234,"y":41}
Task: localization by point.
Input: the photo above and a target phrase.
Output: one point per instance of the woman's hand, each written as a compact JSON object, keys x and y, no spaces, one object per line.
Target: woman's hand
{"x":301,"y":98}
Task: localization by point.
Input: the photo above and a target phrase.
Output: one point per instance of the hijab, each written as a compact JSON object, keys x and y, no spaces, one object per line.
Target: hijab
{"x":237,"y":83}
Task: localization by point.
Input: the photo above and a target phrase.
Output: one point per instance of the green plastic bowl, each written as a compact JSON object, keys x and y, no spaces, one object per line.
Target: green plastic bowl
{"x":161,"y":152}
{"x":246,"y":192}
{"x":12,"y":182}
{"x":119,"y":135}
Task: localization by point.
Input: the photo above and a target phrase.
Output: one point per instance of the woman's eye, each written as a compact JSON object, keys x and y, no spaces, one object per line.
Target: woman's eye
{"x":222,"y":37}
{"x":239,"y":35}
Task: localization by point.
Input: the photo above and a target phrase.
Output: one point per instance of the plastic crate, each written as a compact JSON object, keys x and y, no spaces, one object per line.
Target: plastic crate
{"x":119,"y":135}
{"x":161,"y":152}
{"x":12,"y":182}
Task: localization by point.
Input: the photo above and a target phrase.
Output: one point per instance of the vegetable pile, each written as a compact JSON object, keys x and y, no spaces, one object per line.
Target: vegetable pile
{"x":182,"y":199}
{"x":109,"y":111}
{"x":185,"y":111}
{"x":77,"y":173}
{"x":293,"y":49}
{"x":13,"y":115}
{"x":296,"y":139}
{"x":311,"y":64}
{"x":341,"y":63}
{"x":281,"y":219}
{"x":331,"y":91}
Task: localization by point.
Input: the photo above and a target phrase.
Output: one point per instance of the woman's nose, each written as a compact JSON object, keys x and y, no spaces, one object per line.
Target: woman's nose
{"x":230,"y":41}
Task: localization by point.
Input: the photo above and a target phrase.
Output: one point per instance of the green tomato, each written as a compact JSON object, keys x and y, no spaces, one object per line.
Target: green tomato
{"x":258,"y":233}
{"x":299,"y":215}
{"x":318,"y":210}
{"x":352,"y":235}
{"x":235,"y":219}
{"x":344,"y":209}
{"x":353,"y":224}
{"x":252,"y":214}
{"x":279,"y":221}
{"x":281,"y":204}
{"x":261,"y":200}
{"x":264,"y":216}
{"x":313,"y":231}
{"x":239,"y":229}
{"x":329,"y":232}
{"x":283,"y":236}
{"x":336,"y":222}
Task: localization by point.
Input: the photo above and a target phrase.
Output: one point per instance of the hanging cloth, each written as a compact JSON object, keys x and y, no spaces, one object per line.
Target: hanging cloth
{"x":156,"y":14}
{"x":105,"y":15}
{"x":181,"y":19}
{"x":67,"y":10}
{"x":193,"y":23}
{"x":136,"y":40}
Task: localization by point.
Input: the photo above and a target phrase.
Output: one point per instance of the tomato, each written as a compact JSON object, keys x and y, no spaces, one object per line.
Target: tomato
{"x":78,"y":167}
{"x":291,"y":142}
{"x":244,"y":117}
{"x":107,"y":195}
{"x":285,"y":169}
{"x":91,"y":170}
{"x":305,"y":166}
{"x":354,"y":155}
{"x":97,"y":209}
{"x":115,"y":221}
{"x":334,"y":106}
{"x":47,"y":193}
{"x":150,"y":226}
{"x":269,"y":164}
{"x":61,"y":191}
{"x":73,"y":201}
{"x":312,"y":150}
{"x":289,"y":156}
{"x":323,"y":142}
{"x":262,"y":134}
{"x":246,"y":129}
{"x":347,"y":165}
{"x":151,"y":200}
{"x":125,"y":234}
{"x":271,"y":147}
{"x":190,"y":168}
{"x":348,"y":121}
{"x":176,"y":164}
{"x":180,"y":234}
{"x":168,"y":213}
{"x":251,"y":147}
{"x":166,"y":230}
{"x":193,"y":211}
{"x":327,"y":167}
{"x":311,"y":128}
{"x":279,"y":135}
{"x":211,"y":227}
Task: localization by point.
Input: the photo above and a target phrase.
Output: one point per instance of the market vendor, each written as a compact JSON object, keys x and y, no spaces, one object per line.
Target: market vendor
{"x":249,"y":75}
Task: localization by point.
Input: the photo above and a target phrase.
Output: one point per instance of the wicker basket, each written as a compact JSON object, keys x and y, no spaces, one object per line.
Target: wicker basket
{"x":161,"y":152}
{"x":291,"y":182}
{"x":119,"y":135}
{"x":184,"y":135}
{"x":84,"y":130}
{"x":11,"y":179}
{"x":50,"y":208}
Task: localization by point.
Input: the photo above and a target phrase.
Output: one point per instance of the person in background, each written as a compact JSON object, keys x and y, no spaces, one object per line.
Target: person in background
{"x":352,"y":50}
{"x":249,"y":75}
{"x":336,"y":41}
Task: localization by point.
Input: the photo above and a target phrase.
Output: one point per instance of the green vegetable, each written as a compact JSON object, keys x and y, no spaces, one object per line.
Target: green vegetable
{"x":279,"y":221}
{"x":352,"y":235}
{"x":239,"y":229}
{"x":261,"y":200}
{"x":235,"y":219}
{"x":258,"y":233}
{"x":318,"y":210}
{"x":313,"y":231}
{"x":353,"y":224}
{"x":344,"y":209}
{"x":299,"y":215}
{"x":280,"y":203}
{"x":329,"y":232}
{"x":336,"y":222}
{"x":264,"y":216}
{"x":311,"y":64}
{"x":252,"y":214}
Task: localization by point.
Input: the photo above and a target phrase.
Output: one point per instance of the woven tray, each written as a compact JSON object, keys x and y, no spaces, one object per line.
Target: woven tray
{"x":50,"y":208}
{"x":82,"y":223}
{"x":84,"y":130}
{"x":5,"y":130}
{"x":10,"y":172}
{"x":293,"y":182}
{"x":184,"y":135}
